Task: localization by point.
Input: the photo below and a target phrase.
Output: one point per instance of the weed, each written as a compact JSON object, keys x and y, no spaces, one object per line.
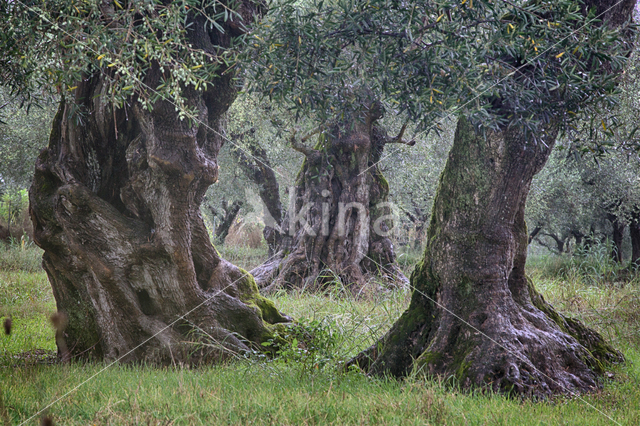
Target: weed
{"x":312,"y":344}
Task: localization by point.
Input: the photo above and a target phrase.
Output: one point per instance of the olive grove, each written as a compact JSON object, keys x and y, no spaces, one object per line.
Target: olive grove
{"x":515,"y":75}
{"x":116,"y":196}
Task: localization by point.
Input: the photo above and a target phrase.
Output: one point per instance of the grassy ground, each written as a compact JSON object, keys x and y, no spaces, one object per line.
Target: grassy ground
{"x":304,"y":386}
{"x":245,"y":257}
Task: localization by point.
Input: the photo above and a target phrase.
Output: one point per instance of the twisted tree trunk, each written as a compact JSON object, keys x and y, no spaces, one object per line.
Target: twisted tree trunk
{"x":338,"y":223}
{"x":559,"y":240}
{"x":474,"y":315}
{"x":534,"y":233}
{"x":115,"y":203}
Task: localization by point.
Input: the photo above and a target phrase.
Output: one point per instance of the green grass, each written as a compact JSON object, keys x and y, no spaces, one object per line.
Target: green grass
{"x":358,"y":323}
{"x":30,"y":334}
{"x":592,"y":266}
{"x":274,"y":393}
{"x":604,"y":295}
{"x":20,"y":256}
{"x":407,"y":258}
{"x":245,"y":257}
{"x":25,"y":297}
{"x":303,"y":386}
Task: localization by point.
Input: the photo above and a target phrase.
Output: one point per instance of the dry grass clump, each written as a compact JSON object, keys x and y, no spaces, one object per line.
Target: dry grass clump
{"x":243,"y":234}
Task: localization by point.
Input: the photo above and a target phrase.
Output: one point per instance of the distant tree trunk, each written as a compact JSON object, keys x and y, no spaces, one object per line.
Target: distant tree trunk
{"x":578,"y":237}
{"x":420,"y":235}
{"x":474,"y":315}
{"x":4,"y":234}
{"x":634,"y":231}
{"x":338,"y":221}
{"x":419,"y":220}
{"x":227,"y":217}
{"x":534,"y":233}
{"x":560,"y":241}
{"x":618,"y":235}
{"x":257,"y":167}
{"x":590,"y":239}
{"x":115,"y":203}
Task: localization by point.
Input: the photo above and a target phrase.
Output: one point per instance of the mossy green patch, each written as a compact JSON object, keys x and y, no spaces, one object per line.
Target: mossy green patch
{"x":268,"y":309}
{"x":429,"y":357}
{"x":467,"y":189}
{"x":250,"y":295}
{"x":382,"y":181}
{"x":82,"y":326}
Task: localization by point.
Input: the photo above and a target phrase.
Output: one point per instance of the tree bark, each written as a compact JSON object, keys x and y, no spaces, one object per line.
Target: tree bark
{"x":590,"y":239}
{"x":559,"y":241}
{"x":419,"y":219}
{"x":230,"y":212}
{"x":617,"y":236}
{"x":534,"y":233}
{"x":474,"y":315}
{"x":579,"y":236}
{"x":115,"y":203}
{"x":634,"y":231}
{"x":338,"y":221}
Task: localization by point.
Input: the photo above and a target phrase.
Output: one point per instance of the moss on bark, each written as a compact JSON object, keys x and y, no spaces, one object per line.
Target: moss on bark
{"x":473,"y":314}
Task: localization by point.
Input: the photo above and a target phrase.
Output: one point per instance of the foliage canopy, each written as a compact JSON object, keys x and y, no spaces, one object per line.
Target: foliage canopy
{"x":56,"y":44}
{"x":499,"y":63}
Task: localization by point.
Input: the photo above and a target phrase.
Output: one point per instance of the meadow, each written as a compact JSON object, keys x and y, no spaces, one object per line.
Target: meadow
{"x":305,"y":384}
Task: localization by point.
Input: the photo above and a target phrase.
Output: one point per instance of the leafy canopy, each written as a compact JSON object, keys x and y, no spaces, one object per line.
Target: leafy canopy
{"x":57,"y":43}
{"x":525,"y":63}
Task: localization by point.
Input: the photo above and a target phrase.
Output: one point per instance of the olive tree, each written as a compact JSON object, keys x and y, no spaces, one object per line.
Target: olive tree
{"x":516,"y":74}
{"x":116,"y":195}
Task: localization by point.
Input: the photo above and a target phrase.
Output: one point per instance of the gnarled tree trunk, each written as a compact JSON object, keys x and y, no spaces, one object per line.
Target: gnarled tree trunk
{"x":534,"y":233}
{"x":474,"y":315}
{"x":559,"y":240}
{"x":115,"y":203}
{"x":338,"y":222}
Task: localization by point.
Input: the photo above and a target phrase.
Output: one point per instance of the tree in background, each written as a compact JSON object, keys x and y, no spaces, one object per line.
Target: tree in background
{"x":259,"y":150}
{"x":515,"y":75}
{"x":322,"y":235}
{"x":116,"y":196}
{"x":589,"y":191}
{"x":23,"y":133}
{"x":413,"y":178}
{"x":560,"y":207}
{"x":336,"y":225}
{"x":615,"y":191}
{"x":260,"y":159}
{"x":586,"y":199}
